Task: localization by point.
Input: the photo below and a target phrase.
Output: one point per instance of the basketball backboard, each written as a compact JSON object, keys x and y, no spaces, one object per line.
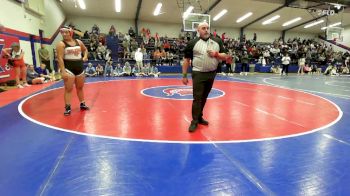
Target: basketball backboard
{"x":190,"y":23}
{"x":335,"y":34}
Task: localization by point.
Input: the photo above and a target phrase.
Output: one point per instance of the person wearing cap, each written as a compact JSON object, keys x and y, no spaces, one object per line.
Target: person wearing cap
{"x":71,"y":53}
{"x":204,"y":54}
{"x":15,"y":56}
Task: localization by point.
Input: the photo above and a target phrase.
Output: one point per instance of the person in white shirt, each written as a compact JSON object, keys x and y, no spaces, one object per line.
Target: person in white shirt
{"x":301,"y":64}
{"x":139,"y":58}
{"x":285,"y":63}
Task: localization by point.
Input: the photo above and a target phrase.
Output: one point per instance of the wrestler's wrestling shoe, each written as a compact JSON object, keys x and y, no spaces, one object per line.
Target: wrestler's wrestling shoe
{"x":67,"y":110}
{"x":83,"y":106}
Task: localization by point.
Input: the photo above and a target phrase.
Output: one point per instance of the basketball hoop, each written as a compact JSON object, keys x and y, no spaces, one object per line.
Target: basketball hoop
{"x":192,"y":20}
{"x":335,"y":34}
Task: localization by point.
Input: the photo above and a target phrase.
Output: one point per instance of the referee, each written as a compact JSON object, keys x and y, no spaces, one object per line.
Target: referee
{"x":204,"y":52}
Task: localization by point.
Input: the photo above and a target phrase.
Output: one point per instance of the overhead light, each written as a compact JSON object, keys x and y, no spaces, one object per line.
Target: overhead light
{"x":244,"y":17}
{"x":335,"y":24}
{"x":188,"y":11}
{"x":219,"y":15}
{"x":157,"y":10}
{"x":118,"y":5}
{"x":332,"y":25}
{"x":291,"y":21}
{"x":82,"y":4}
{"x":313,"y":24}
{"x":268,"y":21}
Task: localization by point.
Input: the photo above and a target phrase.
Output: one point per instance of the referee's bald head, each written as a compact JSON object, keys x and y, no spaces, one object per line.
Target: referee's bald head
{"x":202,"y":24}
{"x":203,"y":30}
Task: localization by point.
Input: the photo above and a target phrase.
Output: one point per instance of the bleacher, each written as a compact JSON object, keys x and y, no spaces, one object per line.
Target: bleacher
{"x":116,"y":46}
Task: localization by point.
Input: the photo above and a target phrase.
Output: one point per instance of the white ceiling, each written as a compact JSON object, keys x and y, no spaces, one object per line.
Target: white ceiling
{"x":173,"y":9}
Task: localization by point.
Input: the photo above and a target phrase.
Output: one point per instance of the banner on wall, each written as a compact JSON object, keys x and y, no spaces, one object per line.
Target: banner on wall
{"x":6,"y":71}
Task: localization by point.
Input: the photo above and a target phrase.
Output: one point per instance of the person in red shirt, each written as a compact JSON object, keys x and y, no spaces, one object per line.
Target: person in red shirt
{"x":166,"y":46}
{"x":15,"y":55}
{"x":223,"y":37}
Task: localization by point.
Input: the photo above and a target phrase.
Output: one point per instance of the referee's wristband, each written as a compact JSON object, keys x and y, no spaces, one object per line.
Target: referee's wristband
{"x":216,"y":54}
{"x":184,"y":75}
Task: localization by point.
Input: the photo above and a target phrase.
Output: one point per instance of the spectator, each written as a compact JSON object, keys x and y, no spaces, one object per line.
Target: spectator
{"x":108,"y":69}
{"x":118,"y":70}
{"x":43,"y":72}
{"x":95,"y":30}
{"x":131,"y":32}
{"x":166,"y":46}
{"x":90,"y":71}
{"x":44,"y":57}
{"x":33,"y":77}
{"x":136,"y":71}
{"x":126,"y":46}
{"x":139,"y":58}
{"x":112,"y":31}
{"x":99,"y":69}
{"x":92,"y":50}
{"x":101,"y":51}
{"x":301,"y":64}
{"x":15,"y":56}
{"x":245,"y":61}
{"x":134,"y":45}
{"x":127,"y":69}
{"x":254,"y":37}
{"x":153,"y":71}
{"x":157,"y":56}
{"x":285,"y":63}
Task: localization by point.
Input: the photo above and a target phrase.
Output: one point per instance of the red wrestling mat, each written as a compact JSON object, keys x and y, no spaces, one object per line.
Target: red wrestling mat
{"x":121,"y":109}
{"x":13,"y":95}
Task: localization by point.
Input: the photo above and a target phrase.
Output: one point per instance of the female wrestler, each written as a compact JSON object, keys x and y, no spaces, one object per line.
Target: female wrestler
{"x":71,"y":53}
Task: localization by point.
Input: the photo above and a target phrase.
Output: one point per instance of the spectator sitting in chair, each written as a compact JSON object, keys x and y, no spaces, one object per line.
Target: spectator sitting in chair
{"x":101,"y":51}
{"x":90,"y":71}
{"x":33,"y":77}
{"x":157,"y":56}
{"x":43,"y":72}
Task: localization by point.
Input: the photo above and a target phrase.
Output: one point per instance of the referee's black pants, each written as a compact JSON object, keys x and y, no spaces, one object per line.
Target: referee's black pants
{"x":202,"y":84}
